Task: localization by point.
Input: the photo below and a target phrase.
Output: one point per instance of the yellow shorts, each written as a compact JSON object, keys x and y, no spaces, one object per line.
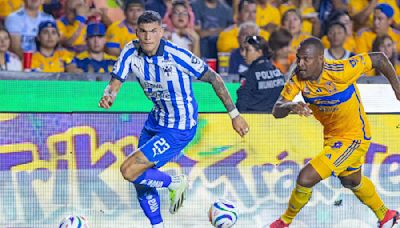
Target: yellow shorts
{"x":340,"y":157}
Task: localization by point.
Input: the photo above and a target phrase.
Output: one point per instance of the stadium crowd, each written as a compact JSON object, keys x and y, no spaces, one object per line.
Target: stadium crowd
{"x":87,"y":35}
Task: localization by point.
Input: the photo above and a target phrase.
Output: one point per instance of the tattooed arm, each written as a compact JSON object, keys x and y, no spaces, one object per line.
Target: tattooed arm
{"x":219,"y":87}
{"x":382,"y":64}
{"x":239,"y":124}
{"x":110,"y":92}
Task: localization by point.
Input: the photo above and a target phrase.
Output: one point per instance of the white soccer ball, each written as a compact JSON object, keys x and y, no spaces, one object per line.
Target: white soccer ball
{"x":223,"y":214}
{"x":74,"y":221}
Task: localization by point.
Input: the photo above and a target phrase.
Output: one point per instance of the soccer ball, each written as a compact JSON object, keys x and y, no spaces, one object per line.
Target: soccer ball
{"x":74,"y":221}
{"x":222,"y":214}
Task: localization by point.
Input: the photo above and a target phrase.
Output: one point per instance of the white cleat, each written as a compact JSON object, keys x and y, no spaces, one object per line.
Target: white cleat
{"x":178,"y":194}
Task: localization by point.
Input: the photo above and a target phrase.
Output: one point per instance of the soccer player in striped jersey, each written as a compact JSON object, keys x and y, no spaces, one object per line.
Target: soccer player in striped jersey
{"x":165,"y":73}
{"x":330,"y":91}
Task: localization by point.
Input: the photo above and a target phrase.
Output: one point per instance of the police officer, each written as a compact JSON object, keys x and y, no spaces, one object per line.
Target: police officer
{"x":262,"y":83}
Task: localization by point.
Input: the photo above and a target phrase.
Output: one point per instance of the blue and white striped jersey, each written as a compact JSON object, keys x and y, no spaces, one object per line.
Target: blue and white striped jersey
{"x":165,"y":79}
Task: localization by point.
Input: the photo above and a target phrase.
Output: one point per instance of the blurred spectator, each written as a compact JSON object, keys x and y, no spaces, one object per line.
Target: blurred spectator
{"x":72,"y":26}
{"x":310,"y":23}
{"x":122,"y":32}
{"x":167,"y":20}
{"x":336,"y":36}
{"x":212,"y":16}
{"x":361,"y":11}
{"x":227,"y":40}
{"x":54,"y":7}
{"x":23,"y":26}
{"x":9,"y":6}
{"x":8,"y":60}
{"x":268,"y":16}
{"x":262,"y":83}
{"x":50,"y":57}
{"x":386,"y":45}
{"x":327,"y":7}
{"x":291,"y":21}
{"x":282,"y":55}
{"x":383,"y":15}
{"x":344,"y":18}
{"x":113,"y":9}
{"x":160,"y":6}
{"x":95,"y":59}
{"x":237,"y":64}
{"x":180,"y":32}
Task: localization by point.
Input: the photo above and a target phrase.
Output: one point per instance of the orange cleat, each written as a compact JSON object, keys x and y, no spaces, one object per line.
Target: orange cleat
{"x":391,"y":218}
{"x":279,"y":223}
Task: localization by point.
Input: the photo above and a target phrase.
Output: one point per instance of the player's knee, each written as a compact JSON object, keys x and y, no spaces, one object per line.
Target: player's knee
{"x":128,"y":172}
{"x":349,"y":183}
{"x":308,"y":178}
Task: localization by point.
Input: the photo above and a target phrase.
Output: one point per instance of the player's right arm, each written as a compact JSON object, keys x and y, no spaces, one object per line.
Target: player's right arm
{"x":283,"y":107}
{"x":119,"y":74}
{"x":110,"y":93}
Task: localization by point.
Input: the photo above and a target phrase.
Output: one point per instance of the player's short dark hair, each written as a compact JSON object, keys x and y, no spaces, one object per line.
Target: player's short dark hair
{"x":279,"y":38}
{"x":242,"y":2}
{"x":148,"y":17}
{"x":336,"y":23}
{"x":259,"y":43}
{"x":314,"y":42}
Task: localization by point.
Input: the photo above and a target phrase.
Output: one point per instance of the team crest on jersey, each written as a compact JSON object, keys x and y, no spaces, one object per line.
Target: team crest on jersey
{"x":353,"y":62}
{"x":195,"y":60}
{"x":337,"y":145}
{"x":167,"y":70}
{"x":330,"y":86}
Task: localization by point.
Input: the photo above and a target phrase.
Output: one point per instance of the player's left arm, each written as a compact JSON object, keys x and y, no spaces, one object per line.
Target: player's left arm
{"x":238,"y":122}
{"x":381,"y":63}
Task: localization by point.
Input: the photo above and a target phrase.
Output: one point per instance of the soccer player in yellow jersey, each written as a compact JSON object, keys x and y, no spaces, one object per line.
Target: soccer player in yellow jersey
{"x":331,"y":94}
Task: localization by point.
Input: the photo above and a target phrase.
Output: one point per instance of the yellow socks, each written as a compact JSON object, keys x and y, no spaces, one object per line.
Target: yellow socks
{"x":300,"y":197}
{"x":367,"y":194}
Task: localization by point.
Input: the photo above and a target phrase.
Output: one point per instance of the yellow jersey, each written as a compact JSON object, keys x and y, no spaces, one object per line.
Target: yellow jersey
{"x":228,"y":39}
{"x":9,"y":6}
{"x":349,"y":44}
{"x":119,"y":34}
{"x":365,"y":40}
{"x":335,"y":99}
{"x":268,"y":14}
{"x":53,"y":63}
{"x":68,"y":30}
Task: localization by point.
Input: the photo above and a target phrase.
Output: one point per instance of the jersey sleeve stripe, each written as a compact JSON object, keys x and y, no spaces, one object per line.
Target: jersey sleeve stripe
{"x":178,"y":49}
{"x":123,"y":66}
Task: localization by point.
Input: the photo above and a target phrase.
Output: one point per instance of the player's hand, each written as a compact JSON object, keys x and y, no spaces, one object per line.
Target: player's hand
{"x":106,"y":102}
{"x":240,"y":125}
{"x":300,"y":108}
